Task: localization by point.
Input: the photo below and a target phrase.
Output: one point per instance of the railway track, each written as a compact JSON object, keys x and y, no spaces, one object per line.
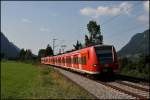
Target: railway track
{"x":133,"y":79}
{"x":128,"y":86}
{"x":140,"y":87}
{"x":136,"y":90}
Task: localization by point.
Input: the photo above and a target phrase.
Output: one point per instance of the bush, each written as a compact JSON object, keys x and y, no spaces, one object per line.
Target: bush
{"x":138,"y":67}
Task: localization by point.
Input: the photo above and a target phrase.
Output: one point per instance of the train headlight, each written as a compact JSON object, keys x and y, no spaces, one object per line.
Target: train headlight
{"x":94,"y":65}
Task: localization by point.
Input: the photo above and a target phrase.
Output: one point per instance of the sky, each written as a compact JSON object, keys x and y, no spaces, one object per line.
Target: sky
{"x":34,"y":24}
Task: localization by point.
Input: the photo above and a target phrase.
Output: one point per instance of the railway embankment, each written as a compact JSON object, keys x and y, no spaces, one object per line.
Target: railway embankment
{"x":99,"y":90}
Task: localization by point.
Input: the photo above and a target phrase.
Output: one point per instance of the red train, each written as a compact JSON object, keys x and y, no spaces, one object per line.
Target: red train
{"x":90,"y":60}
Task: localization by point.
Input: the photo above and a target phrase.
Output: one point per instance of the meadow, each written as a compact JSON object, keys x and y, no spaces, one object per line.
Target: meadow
{"x":27,"y":81}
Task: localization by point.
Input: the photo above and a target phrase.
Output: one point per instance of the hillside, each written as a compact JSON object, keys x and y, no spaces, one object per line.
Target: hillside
{"x":139,"y":44}
{"x":8,"y":49}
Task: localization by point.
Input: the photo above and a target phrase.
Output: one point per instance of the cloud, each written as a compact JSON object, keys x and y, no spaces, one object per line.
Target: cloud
{"x":25,"y":20}
{"x":44,"y":29}
{"x":124,"y":8}
{"x":146,"y":6}
{"x":144,"y":18}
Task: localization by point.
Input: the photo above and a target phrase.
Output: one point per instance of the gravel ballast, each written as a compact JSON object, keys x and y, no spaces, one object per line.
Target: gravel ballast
{"x":98,"y":90}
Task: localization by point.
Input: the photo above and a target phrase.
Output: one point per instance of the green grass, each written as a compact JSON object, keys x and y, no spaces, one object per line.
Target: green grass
{"x":27,"y":81}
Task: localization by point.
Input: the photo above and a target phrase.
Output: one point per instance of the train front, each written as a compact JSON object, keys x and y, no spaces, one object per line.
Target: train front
{"x":106,"y":58}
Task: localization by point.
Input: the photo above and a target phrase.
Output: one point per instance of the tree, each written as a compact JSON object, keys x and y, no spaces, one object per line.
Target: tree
{"x":49,"y":51}
{"x":41,"y":53}
{"x":28,"y":54}
{"x":78,"y":45}
{"x":95,"y":33}
{"x":45,"y":52}
{"x":22,"y":54}
{"x":2,"y":55}
{"x":87,"y":41}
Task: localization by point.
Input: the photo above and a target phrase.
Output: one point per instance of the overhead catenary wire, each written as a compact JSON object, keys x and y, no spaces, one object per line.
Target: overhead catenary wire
{"x":129,"y":28}
{"x":113,"y":18}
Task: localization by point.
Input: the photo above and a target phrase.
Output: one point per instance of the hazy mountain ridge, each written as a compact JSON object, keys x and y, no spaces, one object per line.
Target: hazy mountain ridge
{"x":8,"y":48}
{"x":139,"y":44}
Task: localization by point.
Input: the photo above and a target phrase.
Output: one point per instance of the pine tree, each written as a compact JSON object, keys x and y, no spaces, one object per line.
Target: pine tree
{"x":28,"y":54}
{"x":78,"y":45}
{"x":22,"y":54}
{"x":49,"y":51}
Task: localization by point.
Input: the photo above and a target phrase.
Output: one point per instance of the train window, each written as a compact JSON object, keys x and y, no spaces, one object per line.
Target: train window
{"x":66,"y":60}
{"x":54,"y":60}
{"x":73,"y":61}
{"x":79,"y":61}
{"x":69,"y":60}
{"x":88,"y":55}
{"x":59,"y":60}
{"x":83,"y":60}
{"x":63,"y":60}
{"x":76,"y":60}
{"x":104,"y":54}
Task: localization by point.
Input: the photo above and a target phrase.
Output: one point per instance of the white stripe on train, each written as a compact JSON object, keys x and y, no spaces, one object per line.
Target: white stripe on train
{"x":79,"y":70}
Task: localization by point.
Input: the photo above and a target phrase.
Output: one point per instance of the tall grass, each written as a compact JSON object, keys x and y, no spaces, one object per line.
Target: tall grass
{"x":27,"y":81}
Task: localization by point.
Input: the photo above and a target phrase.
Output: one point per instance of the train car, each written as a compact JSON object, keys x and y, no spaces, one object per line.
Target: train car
{"x":90,"y":60}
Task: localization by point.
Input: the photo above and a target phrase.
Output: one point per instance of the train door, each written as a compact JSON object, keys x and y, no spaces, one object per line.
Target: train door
{"x":68,"y":61}
{"x":48,"y":60}
{"x":72,"y":61}
{"x":84,"y":61}
{"x":79,"y":61}
{"x":63,"y":61}
{"x":75,"y":61}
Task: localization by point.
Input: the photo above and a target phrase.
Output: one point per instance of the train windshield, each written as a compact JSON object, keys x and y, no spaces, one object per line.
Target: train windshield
{"x":104,"y":54}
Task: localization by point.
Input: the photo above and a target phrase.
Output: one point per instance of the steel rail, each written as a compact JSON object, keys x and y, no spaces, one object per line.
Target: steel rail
{"x":133,"y":86}
{"x":124,"y":91}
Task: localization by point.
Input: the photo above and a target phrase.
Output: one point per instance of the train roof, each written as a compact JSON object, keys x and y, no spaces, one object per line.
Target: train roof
{"x":75,"y":51}
{"x":102,"y":45}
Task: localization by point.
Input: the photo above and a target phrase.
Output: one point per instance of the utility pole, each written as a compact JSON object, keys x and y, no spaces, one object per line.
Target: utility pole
{"x":54,"y":45}
{"x":63,"y":47}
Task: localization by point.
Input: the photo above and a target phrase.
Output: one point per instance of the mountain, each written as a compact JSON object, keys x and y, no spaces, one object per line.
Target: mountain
{"x":139,"y":44}
{"x":8,"y":49}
